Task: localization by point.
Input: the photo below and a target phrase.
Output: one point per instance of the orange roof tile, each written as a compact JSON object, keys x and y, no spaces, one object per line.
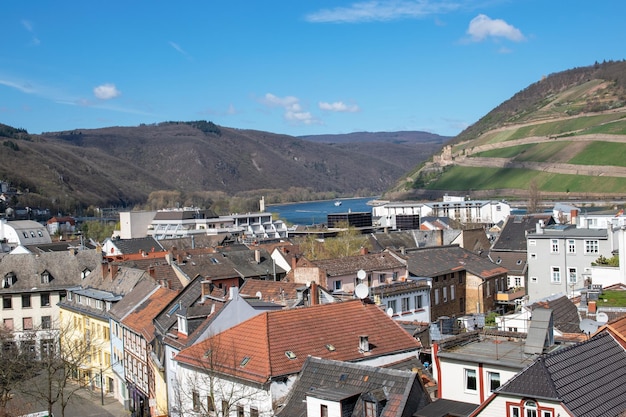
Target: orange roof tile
{"x":266,"y":338}
{"x":141,"y":319}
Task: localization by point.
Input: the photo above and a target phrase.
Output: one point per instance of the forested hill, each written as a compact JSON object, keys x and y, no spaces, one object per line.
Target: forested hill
{"x":198,"y":162}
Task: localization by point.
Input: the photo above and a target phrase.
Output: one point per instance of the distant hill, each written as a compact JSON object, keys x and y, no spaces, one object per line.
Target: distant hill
{"x":566,"y":133}
{"x":122,"y":166}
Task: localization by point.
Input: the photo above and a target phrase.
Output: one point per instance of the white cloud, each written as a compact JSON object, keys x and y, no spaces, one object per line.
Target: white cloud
{"x":178,"y":48}
{"x":106,"y":91}
{"x":482,"y":27}
{"x":294,"y":112}
{"x":23,"y":87}
{"x":382,"y":11}
{"x":29,"y":27}
{"x":338,"y":106}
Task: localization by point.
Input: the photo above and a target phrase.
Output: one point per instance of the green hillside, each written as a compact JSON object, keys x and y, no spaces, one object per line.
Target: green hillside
{"x":567,"y":133}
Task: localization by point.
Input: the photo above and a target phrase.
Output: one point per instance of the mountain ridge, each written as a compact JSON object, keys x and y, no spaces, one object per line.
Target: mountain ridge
{"x":123,"y":166}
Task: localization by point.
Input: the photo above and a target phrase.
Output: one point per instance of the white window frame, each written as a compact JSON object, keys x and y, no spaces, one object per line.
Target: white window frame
{"x":554,"y":245}
{"x":492,"y":376}
{"x":418,"y":301}
{"x":467,"y":375}
{"x":571,"y":246}
{"x":592,"y":246}
{"x":436,"y":296}
{"x":452,"y":292}
{"x":555,"y":274}
{"x":572,"y":273}
{"x":445,"y":294}
{"x":405,"y":302}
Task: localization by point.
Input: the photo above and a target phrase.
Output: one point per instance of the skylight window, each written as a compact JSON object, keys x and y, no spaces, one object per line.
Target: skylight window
{"x":173,"y":309}
{"x":330,"y":347}
{"x":244,"y":361}
{"x":290,"y":354}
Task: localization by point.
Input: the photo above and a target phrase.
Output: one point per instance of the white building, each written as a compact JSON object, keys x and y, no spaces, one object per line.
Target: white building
{"x":22,"y":233}
{"x":560,"y":257}
{"x":471,"y":211}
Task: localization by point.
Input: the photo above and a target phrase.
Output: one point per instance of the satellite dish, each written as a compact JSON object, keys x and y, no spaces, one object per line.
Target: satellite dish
{"x":361,"y":291}
{"x":602,"y":317}
{"x":390,"y":311}
{"x":258,"y":295}
{"x":588,"y":326}
{"x":361,"y":274}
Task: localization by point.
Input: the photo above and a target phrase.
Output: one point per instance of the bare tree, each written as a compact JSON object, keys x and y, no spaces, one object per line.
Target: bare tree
{"x":61,"y":353}
{"x":206,"y":390}
{"x":16,"y":366}
{"x":348,"y":242}
{"x":534,"y":197}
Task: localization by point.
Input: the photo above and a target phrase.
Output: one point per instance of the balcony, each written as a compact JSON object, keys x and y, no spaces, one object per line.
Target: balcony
{"x":510,"y":295}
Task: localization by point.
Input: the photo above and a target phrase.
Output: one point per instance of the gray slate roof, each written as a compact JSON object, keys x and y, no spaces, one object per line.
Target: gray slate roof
{"x":65,"y":269}
{"x":445,"y":408}
{"x":589,"y":378}
{"x":400,"y":393}
{"x":513,"y":234}
{"x":137,"y":245}
{"x":430,"y":262}
{"x":565,"y":313}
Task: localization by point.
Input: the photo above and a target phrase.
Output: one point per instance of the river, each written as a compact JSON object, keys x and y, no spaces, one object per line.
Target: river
{"x":314,"y":212}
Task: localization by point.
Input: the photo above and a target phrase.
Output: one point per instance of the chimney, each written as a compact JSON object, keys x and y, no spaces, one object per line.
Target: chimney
{"x":539,"y":227}
{"x":234,"y":292}
{"x":364,"y":250}
{"x":591,"y":307}
{"x":573,"y":214}
{"x":114,"y":269}
{"x":315,"y":299}
{"x":105,"y":269}
{"x":257,"y":256}
{"x":294,"y":262}
{"x":439,"y":237}
{"x":364,"y":344}
{"x":152,"y":272}
{"x":205,"y":288}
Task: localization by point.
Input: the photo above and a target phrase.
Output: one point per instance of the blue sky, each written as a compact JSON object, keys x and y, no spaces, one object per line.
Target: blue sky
{"x":291,"y":67}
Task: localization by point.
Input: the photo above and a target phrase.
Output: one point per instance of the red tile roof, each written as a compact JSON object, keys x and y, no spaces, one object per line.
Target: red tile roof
{"x":266,"y":338}
{"x":141,"y":319}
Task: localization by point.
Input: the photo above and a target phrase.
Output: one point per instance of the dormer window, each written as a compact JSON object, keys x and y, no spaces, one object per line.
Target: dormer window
{"x":182,"y":324}
{"x":364,"y":344}
{"x":84,"y":273}
{"x":46,"y":277}
{"x":8,"y":280}
{"x":291,"y":355}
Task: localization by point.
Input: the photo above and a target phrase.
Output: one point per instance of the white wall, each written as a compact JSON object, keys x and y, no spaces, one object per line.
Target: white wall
{"x":453,"y":380}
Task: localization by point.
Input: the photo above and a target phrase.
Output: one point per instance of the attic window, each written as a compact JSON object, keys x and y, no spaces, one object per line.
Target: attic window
{"x":46,"y":277}
{"x":499,"y":261}
{"x":244,"y":361}
{"x":519,"y":261}
{"x":343,"y":377}
{"x":330,"y":347}
{"x":8,"y":280}
{"x":290,"y":354}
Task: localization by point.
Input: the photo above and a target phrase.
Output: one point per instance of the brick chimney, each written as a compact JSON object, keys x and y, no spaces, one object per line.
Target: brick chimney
{"x":592,"y":307}
{"x":364,"y":251}
{"x":114,"y":269}
{"x":315,"y":298}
